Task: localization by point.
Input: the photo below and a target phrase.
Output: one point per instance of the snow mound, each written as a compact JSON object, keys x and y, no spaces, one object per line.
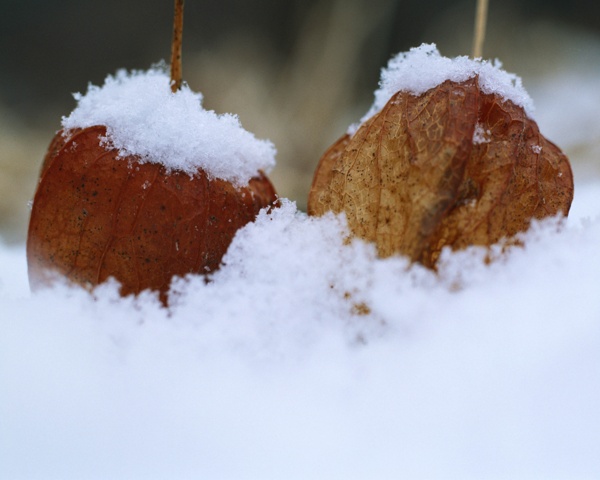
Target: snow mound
{"x":305,"y":356}
{"x":423,"y":68}
{"x":144,"y":118}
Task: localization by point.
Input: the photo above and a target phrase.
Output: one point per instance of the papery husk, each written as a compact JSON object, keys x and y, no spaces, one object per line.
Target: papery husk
{"x":96,"y":215}
{"x":451,"y":167}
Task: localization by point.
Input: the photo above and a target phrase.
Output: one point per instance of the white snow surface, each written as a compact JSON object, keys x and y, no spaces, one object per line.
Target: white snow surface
{"x":423,"y":68}
{"x":268,"y":371}
{"x":144,"y":118}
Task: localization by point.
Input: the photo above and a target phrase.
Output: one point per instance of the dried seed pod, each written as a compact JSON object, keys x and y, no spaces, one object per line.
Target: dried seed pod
{"x":96,"y":216}
{"x":451,"y":167}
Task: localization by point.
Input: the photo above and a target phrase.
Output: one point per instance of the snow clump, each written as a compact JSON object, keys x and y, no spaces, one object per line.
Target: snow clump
{"x":144,"y":118}
{"x":423,"y":68}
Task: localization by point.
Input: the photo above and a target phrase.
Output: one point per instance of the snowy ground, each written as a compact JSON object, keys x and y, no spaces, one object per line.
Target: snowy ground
{"x":275,"y":370}
{"x":486,"y":372}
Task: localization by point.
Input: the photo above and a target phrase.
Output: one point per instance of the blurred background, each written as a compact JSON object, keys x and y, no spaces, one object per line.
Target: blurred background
{"x":297,"y":72}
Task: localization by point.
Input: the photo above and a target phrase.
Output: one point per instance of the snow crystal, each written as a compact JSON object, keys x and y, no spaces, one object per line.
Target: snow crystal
{"x":480,"y":135}
{"x":423,"y":68}
{"x":144,"y":118}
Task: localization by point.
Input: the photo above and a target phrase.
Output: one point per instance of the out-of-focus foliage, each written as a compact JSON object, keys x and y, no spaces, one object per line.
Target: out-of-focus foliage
{"x":296,"y":72}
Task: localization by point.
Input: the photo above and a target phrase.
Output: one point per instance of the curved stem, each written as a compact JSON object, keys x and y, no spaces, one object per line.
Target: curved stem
{"x":176,"y":46}
{"x":480,"y":23}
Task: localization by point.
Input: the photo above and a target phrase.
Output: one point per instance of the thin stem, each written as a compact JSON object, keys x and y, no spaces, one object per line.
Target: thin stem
{"x":480,"y":23}
{"x":176,"y":47}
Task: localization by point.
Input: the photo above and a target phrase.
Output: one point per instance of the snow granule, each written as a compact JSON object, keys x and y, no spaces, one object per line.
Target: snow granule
{"x":144,"y":118}
{"x":480,"y":135}
{"x":423,"y":68}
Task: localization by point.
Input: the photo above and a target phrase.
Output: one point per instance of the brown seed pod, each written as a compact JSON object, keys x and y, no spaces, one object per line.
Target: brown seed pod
{"x":451,"y":167}
{"x":97,"y":216}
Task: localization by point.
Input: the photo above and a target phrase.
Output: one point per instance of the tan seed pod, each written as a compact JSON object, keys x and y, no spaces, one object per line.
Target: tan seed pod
{"x":451,"y":167}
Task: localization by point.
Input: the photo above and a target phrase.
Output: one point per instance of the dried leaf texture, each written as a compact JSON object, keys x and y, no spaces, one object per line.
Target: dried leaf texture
{"x":451,"y":167}
{"x":96,"y":216}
